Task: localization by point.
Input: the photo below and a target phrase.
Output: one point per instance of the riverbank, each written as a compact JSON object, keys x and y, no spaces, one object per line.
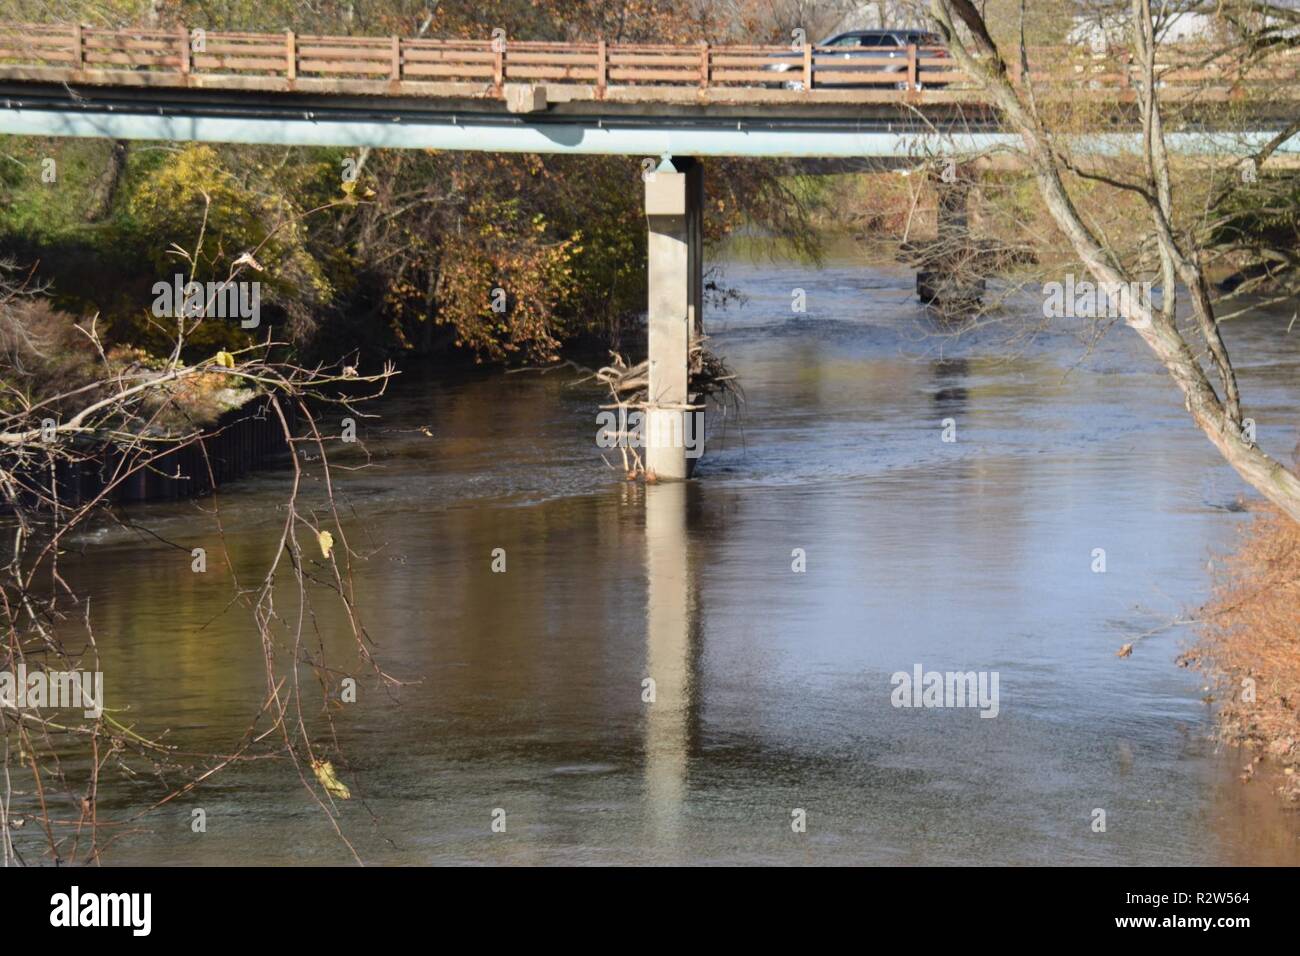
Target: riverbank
{"x":1250,"y":647}
{"x":155,"y":435}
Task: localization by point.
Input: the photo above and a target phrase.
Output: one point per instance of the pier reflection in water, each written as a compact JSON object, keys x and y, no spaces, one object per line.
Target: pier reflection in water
{"x":671,"y":613}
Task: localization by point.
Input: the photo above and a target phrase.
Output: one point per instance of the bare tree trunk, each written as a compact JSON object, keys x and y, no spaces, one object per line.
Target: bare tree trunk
{"x":1219,"y":418}
{"x":101,"y":200}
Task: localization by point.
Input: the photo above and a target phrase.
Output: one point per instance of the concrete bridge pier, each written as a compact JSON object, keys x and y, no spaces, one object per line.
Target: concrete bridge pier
{"x":950,"y":273}
{"x":674,"y":205}
{"x":954,"y":218}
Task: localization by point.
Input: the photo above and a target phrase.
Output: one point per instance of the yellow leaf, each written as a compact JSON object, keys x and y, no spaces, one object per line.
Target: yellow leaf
{"x":335,"y":787}
{"x":326,"y":541}
{"x":225,"y":360}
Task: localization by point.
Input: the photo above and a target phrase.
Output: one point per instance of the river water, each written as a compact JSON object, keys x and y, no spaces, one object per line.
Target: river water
{"x":772,"y":688}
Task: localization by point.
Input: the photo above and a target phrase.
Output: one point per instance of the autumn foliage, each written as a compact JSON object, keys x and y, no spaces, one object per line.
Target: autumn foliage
{"x":1250,"y":643}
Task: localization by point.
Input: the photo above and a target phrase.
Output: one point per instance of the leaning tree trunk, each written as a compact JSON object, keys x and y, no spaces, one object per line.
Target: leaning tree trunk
{"x":1158,"y":329}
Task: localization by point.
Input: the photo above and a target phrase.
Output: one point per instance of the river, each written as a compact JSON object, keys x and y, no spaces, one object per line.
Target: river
{"x":772,"y":688}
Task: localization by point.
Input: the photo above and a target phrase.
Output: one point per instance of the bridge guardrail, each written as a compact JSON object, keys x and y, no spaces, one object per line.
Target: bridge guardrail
{"x":186,"y":53}
{"x":194,"y":57}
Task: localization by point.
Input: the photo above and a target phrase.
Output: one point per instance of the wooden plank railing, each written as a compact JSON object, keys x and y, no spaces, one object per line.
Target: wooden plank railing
{"x":206,"y":58}
{"x":398,"y":59}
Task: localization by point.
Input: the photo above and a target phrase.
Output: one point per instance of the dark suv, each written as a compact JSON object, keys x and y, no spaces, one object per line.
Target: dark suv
{"x":884,"y":50}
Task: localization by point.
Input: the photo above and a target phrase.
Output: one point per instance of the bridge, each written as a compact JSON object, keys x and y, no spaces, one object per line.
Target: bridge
{"x":638,"y":99}
{"x":675,"y":102}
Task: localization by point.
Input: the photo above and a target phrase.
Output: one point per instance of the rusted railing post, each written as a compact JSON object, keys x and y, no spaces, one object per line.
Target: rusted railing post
{"x":807,"y":66}
{"x":291,"y":55}
{"x":186,"y":62}
{"x":704,"y":64}
{"x":498,"y":64}
{"x":395,"y":72}
{"x":602,"y":68}
{"x":912,"y":80}
{"x":78,"y":48}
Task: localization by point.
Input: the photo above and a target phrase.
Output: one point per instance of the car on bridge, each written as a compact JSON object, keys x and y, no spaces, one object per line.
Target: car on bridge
{"x":863,"y":50}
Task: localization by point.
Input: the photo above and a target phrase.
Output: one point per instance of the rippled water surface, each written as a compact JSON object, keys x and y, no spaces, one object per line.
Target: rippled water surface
{"x":772,"y":688}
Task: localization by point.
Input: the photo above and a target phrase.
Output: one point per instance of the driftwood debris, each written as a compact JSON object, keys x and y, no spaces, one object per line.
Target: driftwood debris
{"x":629,"y":384}
{"x":629,"y":387}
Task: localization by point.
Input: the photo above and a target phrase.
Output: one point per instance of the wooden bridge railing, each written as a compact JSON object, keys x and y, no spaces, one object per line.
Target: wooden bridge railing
{"x":291,"y":57}
{"x":94,"y":54}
